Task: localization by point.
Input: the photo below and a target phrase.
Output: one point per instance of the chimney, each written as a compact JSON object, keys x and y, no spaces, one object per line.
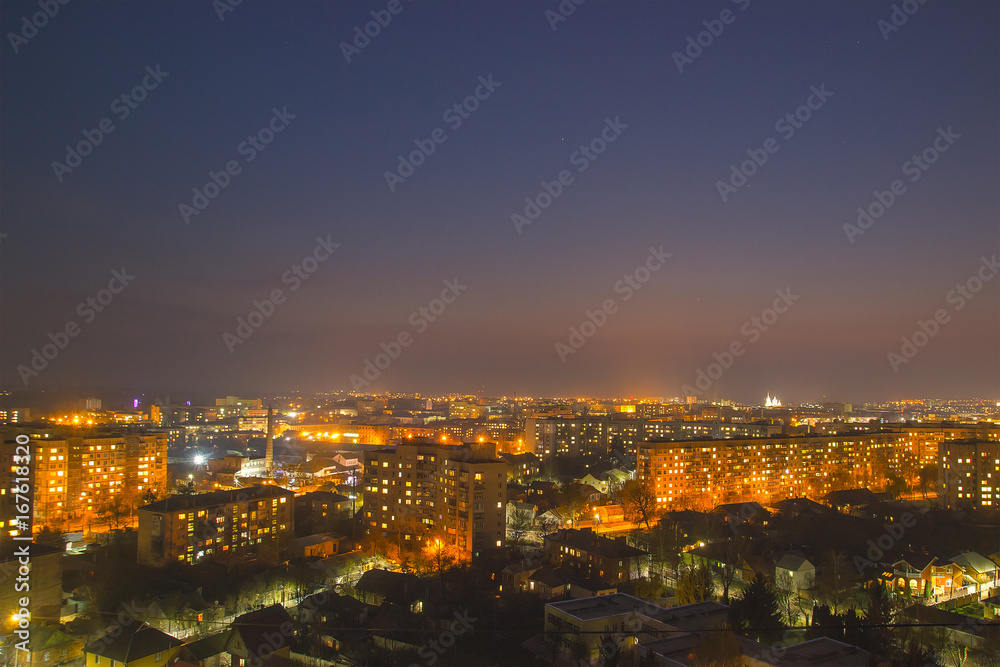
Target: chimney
{"x":269,"y":455}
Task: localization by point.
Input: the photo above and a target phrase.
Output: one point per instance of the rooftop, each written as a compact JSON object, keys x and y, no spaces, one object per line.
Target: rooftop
{"x":689,"y":617}
{"x":586,"y":540}
{"x":823,"y":652}
{"x":180,"y":502}
{"x":131,"y":641}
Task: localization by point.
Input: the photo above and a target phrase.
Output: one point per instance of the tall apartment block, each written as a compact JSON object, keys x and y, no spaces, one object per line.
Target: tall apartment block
{"x":73,"y":475}
{"x":418,"y":490}
{"x":969,"y":474}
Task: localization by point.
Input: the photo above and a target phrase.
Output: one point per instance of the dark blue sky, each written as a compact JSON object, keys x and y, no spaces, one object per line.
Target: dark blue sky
{"x":656,"y":184}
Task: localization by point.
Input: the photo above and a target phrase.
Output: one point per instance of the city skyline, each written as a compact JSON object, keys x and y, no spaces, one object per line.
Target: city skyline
{"x":621,"y":199}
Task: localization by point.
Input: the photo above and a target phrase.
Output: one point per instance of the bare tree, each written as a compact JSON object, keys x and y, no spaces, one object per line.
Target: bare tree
{"x":638,"y":499}
{"x":788,"y":604}
{"x":733,"y":556}
{"x":927,"y":478}
{"x":836,"y":579}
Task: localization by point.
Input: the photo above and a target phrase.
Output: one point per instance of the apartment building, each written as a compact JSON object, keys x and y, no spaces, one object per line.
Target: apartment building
{"x":250,"y":523}
{"x":925,"y":439}
{"x":764,"y":469}
{"x":72,"y":476}
{"x":420,"y":489}
{"x":969,"y":473}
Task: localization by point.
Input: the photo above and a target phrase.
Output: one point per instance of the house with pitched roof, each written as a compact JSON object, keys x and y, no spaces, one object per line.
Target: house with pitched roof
{"x":924,"y":575}
{"x":794,"y":572}
{"x":979,"y":571}
{"x":260,"y":635}
{"x":590,"y":555}
{"x":132,"y":644}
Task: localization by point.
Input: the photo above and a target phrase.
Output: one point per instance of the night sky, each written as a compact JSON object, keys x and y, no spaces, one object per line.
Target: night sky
{"x":608,"y":67}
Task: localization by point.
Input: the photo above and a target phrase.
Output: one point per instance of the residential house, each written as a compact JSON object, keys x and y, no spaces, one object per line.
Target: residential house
{"x":315,"y":546}
{"x":50,"y":646}
{"x":793,"y":572}
{"x":132,"y":644}
{"x":330,"y":608}
{"x":522,"y":466}
{"x":514,"y":506}
{"x":550,"y":583}
{"x":378,"y":586}
{"x":591,"y":555}
{"x":260,"y":634}
{"x":543,"y":494}
{"x":590,"y":493}
{"x":849,"y":500}
{"x":979,"y":571}
{"x":795,"y":508}
{"x":208,"y":651}
{"x":515,"y":576}
{"x":589,"y":588}
{"x":737,"y":514}
{"x":924,"y":575}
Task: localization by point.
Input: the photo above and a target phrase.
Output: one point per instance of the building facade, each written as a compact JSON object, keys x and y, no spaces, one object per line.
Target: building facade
{"x":254,"y":522}
{"x":75,"y":478}
{"x":590,"y":555}
{"x":709,"y":472}
{"x":420,"y":490}
{"x":969,"y":473}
